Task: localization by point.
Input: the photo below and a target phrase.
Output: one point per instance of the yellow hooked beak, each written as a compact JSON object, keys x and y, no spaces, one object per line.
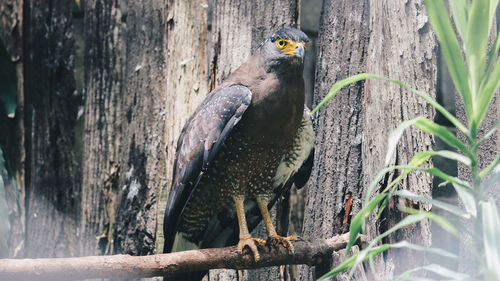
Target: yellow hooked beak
{"x":293,"y":49}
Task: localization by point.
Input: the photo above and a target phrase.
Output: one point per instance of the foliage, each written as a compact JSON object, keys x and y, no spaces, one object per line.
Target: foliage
{"x":476,"y":78}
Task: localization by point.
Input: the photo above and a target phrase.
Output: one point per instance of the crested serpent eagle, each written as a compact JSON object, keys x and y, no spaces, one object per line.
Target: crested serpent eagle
{"x":242,"y":148}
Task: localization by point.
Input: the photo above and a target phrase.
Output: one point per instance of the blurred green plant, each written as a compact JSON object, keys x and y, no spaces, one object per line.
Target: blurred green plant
{"x":476,"y":78}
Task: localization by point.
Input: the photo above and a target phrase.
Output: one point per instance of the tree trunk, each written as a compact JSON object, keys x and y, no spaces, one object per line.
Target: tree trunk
{"x":406,"y":29}
{"x":335,"y":190}
{"x":354,"y":131}
{"x":52,"y":179}
{"x":103,"y":84}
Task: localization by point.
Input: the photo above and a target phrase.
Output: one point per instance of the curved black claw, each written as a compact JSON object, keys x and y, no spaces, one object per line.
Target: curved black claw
{"x":274,"y":241}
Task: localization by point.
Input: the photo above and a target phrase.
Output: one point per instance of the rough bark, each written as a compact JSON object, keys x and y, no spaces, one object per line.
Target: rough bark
{"x":127,"y":267}
{"x":142,"y":155}
{"x":402,"y":46}
{"x":335,"y":189}
{"x":236,"y":32}
{"x":103,"y":90}
{"x":52,"y":176}
{"x":388,"y":38}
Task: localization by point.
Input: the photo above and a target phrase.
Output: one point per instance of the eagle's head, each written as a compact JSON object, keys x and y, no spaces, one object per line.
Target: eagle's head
{"x":287,"y":45}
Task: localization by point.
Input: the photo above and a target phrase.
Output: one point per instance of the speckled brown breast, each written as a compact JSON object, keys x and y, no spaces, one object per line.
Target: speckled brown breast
{"x":243,"y":167}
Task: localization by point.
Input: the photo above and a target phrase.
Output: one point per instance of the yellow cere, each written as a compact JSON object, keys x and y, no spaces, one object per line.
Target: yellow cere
{"x":289,"y":46}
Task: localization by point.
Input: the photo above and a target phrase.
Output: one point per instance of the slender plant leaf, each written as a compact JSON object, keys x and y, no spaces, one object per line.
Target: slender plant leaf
{"x":440,"y":21}
{"x":490,"y":167}
{"x":348,"y":263}
{"x":478,"y":30}
{"x":357,"y":223}
{"x":491,"y":181}
{"x":452,"y":156}
{"x":443,"y":133}
{"x":437,"y":173}
{"x":375,"y":182}
{"x":443,"y":153}
{"x":492,"y":12}
{"x":444,"y":223}
{"x":459,"y":9}
{"x":467,"y":197}
{"x":373,"y":251}
{"x":486,"y":94}
{"x":438,"y":269}
{"x":436,"y":203}
{"x":427,"y":126}
{"x":491,"y":237}
{"x":489,"y":133}
{"x":395,"y":136}
{"x":492,"y":56}
{"x":337,"y":86}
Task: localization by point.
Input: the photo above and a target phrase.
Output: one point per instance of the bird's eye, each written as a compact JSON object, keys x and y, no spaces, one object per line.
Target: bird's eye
{"x":280,"y":43}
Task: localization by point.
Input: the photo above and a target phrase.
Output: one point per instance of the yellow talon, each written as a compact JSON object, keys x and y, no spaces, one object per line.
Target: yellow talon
{"x":276,"y":240}
{"x":253,"y":244}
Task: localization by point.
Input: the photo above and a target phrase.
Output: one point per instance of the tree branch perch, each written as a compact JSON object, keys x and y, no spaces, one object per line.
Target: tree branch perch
{"x":126,"y":266}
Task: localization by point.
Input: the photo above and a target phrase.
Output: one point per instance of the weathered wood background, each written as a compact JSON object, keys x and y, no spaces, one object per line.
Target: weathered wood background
{"x":105,"y":86}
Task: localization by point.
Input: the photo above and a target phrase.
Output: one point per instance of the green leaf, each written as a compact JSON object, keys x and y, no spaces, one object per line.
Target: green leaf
{"x":444,"y":223}
{"x":436,"y":203}
{"x":395,"y":136}
{"x":374,"y":183}
{"x":492,"y":57}
{"x":337,"y":86}
{"x":490,"y":167}
{"x":411,"y":219}
{"x":459,"y":9}
{"x":467,"y":198}
{"x":486,"y":94}
{"x":438,"y":269}
{"x":430,"y":127}
{"x":478,"y":30}
{"x":358,"y":221}
{"x":491,"y":235}
{"x":440,"y":21}
{"x":489,"y":133}
{"x":373,"y":251}
{"x":437,"y":173}
{"x":443,"y":133}
{"x":452,"y":156}
{"x":348,"y":263}
{"x":491,"y":181}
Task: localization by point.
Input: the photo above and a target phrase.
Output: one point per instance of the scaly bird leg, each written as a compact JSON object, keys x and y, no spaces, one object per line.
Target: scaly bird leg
{"x":273,"y":238}
{"x":245,"y":238}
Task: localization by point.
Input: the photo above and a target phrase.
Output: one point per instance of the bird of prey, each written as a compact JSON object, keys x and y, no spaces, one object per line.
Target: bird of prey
{"x":241,"y":149}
